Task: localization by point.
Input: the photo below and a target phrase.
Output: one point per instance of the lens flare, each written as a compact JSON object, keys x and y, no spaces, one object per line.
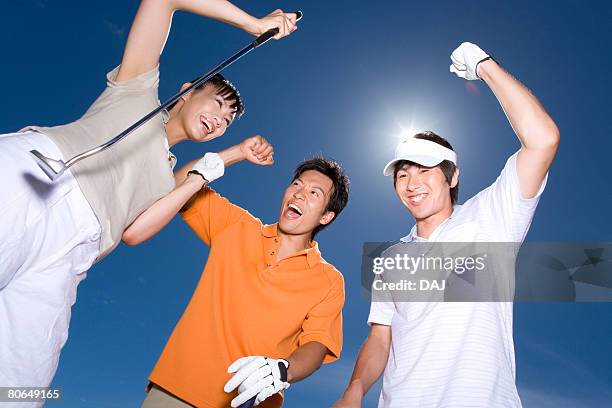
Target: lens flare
{"x":409,"y":128}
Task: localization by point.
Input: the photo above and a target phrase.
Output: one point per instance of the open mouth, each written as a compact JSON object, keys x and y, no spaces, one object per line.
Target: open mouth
{"x":206,"y":125}
{"x":293,"y":212}
{"x":417,"y":199}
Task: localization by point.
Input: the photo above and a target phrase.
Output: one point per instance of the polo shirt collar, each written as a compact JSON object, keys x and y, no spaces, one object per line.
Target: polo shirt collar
{"x":270,"y":230}
{"x":313,"y":255}
{"x":413,"y":237}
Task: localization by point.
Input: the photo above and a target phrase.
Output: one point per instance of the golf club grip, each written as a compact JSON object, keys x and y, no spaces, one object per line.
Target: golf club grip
{"x":273,"y":31}
{"x":248,"y":404}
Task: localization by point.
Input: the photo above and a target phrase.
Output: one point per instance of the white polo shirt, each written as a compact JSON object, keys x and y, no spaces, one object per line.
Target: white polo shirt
{"x":459,"y":354}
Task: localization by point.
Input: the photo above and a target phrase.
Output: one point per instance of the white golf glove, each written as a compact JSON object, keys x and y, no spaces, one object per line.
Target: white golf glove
{"x":256,"y":376}
{"x":211,"y":167}
{"x":465,"y":60}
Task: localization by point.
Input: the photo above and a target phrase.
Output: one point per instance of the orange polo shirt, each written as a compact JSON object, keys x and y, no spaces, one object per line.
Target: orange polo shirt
{"x":246,"y":304}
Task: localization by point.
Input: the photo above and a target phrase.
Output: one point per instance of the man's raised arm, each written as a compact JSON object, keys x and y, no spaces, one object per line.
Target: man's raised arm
{"x":536,"y":130}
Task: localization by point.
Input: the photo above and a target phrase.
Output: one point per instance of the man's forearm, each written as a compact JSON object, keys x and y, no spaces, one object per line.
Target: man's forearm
{"x":370,"y":365}
{"x":537,"y":132}
{"x":305,"y":360}
{"x":535,"y":129}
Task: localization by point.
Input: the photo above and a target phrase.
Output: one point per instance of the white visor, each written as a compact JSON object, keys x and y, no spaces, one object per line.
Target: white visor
{"x":420,"y":151}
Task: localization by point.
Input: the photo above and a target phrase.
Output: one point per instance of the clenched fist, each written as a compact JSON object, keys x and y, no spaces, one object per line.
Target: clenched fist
{"x":285,"y":22}
{"x":465,"y":60}
{"x":257,"y":150}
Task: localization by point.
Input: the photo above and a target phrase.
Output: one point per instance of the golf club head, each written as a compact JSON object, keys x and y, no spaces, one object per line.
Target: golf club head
{"x":52,"y":168}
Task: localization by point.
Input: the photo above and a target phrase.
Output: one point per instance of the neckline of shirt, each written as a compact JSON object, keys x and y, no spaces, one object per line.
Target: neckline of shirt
{"x":413,"y":237}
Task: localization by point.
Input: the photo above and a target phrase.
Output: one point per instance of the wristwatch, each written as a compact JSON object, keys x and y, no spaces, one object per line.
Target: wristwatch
{"x":199,"y":174}
{"x":483,"y":60}
{"x":283,"y":367}
{"x":210,"y":167}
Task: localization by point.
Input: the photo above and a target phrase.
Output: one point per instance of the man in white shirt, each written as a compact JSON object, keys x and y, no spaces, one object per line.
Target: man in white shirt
{"x":458,"y":353}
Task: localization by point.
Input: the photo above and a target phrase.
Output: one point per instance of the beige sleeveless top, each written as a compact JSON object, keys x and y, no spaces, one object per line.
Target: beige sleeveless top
{"x":124,"y":180}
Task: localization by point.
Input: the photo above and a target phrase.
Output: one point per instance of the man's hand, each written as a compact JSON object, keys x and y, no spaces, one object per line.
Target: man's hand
{"x":285,"y":22}
{"x":256,"y":376}
{"x":257,"y":150}
{"x":369,"y":367}
{"x":465,"y":60}
{"x":352,"y":397}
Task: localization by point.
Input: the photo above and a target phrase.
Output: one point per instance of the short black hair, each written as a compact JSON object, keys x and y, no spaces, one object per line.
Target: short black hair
{"x":341,"y":184}
{"x":225,"y":89}
{"x":448,"y":167}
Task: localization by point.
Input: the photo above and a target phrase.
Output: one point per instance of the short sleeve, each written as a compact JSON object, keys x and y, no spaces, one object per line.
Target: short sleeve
{"x":122,"y":99}
{"x":323,"y":323}
{"x":146,"y":80}
{"x":382,"y":307}
{"x":505,"y":205}
{"x":381,"y":313}
{"x":210,"y":214}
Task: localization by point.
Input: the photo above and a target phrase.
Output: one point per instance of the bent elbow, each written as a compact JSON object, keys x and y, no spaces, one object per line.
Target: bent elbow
{"x":554,"y":136}
{"x":129,"y":242}
{"x":547,"y":140}
{"x":130,"y":239}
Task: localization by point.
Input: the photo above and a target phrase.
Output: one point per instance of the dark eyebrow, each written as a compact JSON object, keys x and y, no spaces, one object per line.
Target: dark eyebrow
{"x":320,"y":189}
{"x":406,"y":166}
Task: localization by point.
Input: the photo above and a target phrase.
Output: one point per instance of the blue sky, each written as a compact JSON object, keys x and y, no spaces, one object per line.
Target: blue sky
{"x":342,"y":85}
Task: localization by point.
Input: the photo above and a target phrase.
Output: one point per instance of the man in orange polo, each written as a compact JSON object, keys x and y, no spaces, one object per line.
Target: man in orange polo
{"x":267,"y":310}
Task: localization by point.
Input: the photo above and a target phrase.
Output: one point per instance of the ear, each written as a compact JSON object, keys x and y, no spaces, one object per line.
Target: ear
{"x":188,"y":94}
{"x":327,"y":217}
{"x":455,"y":179}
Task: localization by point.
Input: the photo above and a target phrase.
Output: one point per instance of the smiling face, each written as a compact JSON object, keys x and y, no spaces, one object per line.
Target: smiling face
{"x":205,"y":114}
{"x":425,"y":191}
{"x":304,"y":204}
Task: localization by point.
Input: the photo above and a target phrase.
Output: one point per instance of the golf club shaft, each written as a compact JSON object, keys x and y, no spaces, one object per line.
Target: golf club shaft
{"x":258,"y":41}
{"x":248,"y":404}
{"x":262,"y":39}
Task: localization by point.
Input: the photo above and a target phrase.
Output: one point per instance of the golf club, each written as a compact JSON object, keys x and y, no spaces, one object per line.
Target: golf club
{"x":54,"y":168}
{"x":248,"y":404}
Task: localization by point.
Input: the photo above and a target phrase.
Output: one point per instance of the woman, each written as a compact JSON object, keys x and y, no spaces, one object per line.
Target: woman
{"x":52,"y":233}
